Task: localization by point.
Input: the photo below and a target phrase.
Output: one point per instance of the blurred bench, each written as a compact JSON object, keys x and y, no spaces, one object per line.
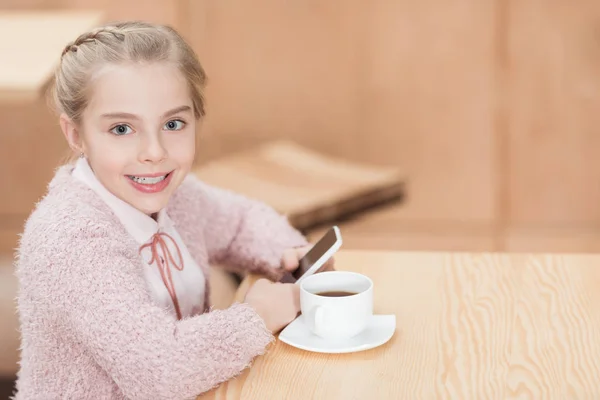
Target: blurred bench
{"x":309,"y":187}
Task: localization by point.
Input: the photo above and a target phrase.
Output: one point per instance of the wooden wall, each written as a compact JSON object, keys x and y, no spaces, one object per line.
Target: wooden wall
{"x":552,"y":127}
{"x":163,"y":11}
{"x":489,"y":105}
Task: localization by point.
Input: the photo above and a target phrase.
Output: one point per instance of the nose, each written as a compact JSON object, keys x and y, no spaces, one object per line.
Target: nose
{"x":152,"y":149}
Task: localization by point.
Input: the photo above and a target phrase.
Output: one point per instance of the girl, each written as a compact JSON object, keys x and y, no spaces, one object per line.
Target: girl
{"x":113,"y":261}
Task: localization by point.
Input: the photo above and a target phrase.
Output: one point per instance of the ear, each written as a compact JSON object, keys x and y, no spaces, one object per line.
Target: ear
{"x":72,"y":133}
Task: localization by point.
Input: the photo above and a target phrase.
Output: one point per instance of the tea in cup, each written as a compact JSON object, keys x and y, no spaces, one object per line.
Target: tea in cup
{"x":336,"y":304}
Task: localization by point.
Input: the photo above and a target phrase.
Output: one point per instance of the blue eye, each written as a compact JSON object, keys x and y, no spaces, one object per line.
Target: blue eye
{"x":121,"y":130}
{"x":174,"y":125}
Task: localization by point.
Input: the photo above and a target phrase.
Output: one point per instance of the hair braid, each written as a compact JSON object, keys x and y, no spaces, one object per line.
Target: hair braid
{"x":92,"y":37}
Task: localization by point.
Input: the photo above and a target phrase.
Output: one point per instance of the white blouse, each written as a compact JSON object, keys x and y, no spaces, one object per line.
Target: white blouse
{"x":181,"y":294}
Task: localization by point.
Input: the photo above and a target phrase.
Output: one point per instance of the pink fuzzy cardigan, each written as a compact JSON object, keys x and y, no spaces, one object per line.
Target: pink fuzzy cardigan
{"x":88,"y":326}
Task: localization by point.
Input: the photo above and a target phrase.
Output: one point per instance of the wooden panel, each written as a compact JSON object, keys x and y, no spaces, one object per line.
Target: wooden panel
{"x":455,"y":238}
{"x":554,"y":52}
{"x":25,"y":4}
{"x":553,"y":240}
{"x":386,"y":229}
{"x":168,"y":12}
{"x":279,"y":69}
{"x":9,"y":237}
{"x":428,"y":103}
{"x":31,"y":147}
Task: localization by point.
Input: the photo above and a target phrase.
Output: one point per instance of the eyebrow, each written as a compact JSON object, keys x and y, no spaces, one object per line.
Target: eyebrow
{"x":122,"y":115}
{"x":177,"y":110}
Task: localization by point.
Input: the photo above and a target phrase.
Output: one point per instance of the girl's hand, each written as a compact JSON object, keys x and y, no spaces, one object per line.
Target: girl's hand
{"x":291,"y":259}
{"x":277,"y":304}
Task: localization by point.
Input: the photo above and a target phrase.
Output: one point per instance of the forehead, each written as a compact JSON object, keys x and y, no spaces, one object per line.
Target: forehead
{"x":143,"y":89}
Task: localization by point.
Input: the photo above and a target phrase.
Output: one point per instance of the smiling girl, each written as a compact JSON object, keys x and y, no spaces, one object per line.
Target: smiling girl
{"x":113,"y":262}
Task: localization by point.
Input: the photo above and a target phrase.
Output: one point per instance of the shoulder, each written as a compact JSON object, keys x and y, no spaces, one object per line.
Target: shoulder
{"x":188,"y":192}
{"x":196,"y":202}
{"x":193,"y":199}
{"x":187,"y":207}
{"x":68,"y":224}
{"x":69,"y":210}
{"x":194,"y":191}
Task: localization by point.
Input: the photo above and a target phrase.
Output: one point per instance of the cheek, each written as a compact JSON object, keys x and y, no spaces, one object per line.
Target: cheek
{"x":183,"y":149}
{"x":108,"y":160}
{"x":107,"y":167}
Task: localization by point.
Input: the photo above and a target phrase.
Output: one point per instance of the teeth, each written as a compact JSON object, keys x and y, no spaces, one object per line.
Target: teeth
{"x":147,"y":180}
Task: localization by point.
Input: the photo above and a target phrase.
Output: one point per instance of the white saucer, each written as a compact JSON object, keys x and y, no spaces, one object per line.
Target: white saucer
{"x":380,"y":330}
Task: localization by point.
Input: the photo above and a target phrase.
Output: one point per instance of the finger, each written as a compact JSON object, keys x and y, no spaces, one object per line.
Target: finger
{"x":301,"y":251}
{"x":289,"y":260}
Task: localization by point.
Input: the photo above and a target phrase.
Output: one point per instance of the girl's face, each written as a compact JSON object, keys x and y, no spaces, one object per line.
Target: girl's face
{"x":138,"y":132}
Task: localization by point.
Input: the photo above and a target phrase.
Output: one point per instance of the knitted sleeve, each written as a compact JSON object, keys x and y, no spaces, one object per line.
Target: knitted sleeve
{"x":148,"y":353}
{"x":242,"y":233}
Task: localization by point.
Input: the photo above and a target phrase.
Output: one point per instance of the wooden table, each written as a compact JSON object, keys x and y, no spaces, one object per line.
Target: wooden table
{"x":470,"y":326}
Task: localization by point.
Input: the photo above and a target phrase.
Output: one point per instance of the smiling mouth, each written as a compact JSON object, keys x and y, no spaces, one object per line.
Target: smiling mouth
{"x":148,"y":180}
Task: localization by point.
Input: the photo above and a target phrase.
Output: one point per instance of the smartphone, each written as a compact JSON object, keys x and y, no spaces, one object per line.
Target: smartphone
{"x":317,"y":256}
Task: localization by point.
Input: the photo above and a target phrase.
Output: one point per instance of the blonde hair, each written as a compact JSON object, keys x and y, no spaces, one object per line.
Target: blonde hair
{"x":123,"y":42}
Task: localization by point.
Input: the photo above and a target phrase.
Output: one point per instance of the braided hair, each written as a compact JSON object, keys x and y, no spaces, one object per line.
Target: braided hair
{"x":123,"y":42}
{"x":92,"y":37}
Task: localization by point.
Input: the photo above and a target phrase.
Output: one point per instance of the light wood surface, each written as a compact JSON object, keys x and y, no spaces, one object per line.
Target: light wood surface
{"x":307,"y":186}
{"x":469,"y":326}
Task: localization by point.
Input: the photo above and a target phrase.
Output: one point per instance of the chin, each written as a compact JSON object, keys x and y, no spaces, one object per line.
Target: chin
{"x":150,"y":208}
{"x":148,"y":204}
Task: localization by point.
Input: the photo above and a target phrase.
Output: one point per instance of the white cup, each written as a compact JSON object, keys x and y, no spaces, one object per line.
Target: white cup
{"x":336,"y":317}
